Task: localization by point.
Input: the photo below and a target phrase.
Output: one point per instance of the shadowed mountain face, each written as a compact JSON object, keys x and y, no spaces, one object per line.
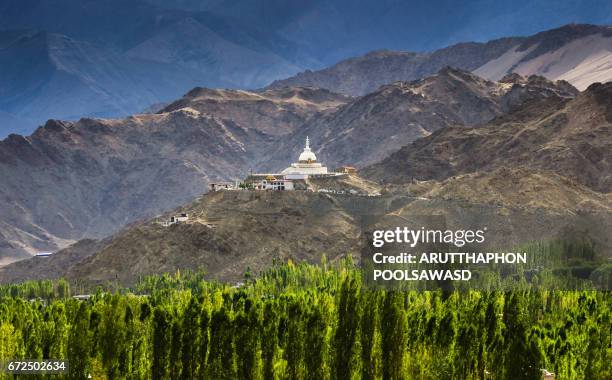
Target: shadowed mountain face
{"x":580,"y":54}
{"x":334,"y":30}
{"x":89,"y":178}
{"x":69,"y":59}
{"x":571,"y":138}
{"x":50,"y":75}
{"x":319,"y":30}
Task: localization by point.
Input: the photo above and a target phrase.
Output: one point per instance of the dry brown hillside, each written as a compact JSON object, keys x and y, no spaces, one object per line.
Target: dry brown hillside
{"x":369,"y":128}
{"x":230,"y":232}
{"x":275,"y":112}
{"x":571,"y":138}
{"x":87,"y":179}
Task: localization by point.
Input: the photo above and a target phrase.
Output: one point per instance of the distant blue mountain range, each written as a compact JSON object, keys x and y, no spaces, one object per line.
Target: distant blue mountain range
{"x":105,"y":58}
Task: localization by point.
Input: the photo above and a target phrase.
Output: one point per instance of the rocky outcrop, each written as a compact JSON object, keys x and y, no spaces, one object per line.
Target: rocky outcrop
{"x":570,"y":137}
{"x":369,"y":128}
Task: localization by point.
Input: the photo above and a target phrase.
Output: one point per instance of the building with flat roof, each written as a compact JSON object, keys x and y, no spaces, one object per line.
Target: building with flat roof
{"x":346,"y":170}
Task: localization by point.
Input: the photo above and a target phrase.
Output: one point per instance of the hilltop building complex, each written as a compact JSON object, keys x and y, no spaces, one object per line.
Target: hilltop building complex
{"x":292,"y":178}
{"x":307,"y":165}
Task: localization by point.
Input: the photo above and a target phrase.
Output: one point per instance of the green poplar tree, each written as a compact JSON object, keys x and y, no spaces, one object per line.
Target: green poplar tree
{"x":315,"y":345}
{"x":269,"y":341}
{"x":369,"y":322}
{"x":175,"y":349}
{"x":162,"y":339}
{"x":246,"y":327}
{"x":348,"y":328}
{"x":126,"y":363}
{"x":190,"y":353}
{"x":221,"y":363}
{"x":59,"y":338}
{"x":522,"y":356}
{"x":294,"y":344}
{"x":204,"y":341}
{"x":393,"y":328}
{"x":112,"y":337}
{"x":79,"y":344}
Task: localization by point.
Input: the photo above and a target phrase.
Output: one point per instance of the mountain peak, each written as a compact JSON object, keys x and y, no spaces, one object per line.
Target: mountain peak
{"x":454,"y":73}
{"x":601,"y":93}
{"x":55,"y":125}
{"x":561,"y":87}
{"x":600,"y":88}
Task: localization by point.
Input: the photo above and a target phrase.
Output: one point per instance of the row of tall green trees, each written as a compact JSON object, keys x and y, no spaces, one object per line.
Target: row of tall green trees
{"x":308,"y":322}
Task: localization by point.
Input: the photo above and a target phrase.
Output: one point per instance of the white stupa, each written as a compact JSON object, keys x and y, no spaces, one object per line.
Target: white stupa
{"x":307,"y":165}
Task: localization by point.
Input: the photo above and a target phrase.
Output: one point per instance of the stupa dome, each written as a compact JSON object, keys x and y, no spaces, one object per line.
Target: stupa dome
{"x":307,"y":155}
{"x":307,"y":165}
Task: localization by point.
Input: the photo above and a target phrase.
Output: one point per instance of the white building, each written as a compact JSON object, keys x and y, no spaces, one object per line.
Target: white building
{"x":307,"y":165}
{"x":289,"y":178}
{"x":273,"y":183}
{"x":180,"y":218}
{"x":216,"y":186}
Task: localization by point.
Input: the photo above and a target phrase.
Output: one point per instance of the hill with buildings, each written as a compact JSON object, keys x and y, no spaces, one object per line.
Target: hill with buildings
{"x":69,"y":181}
{"x":231,"y":232}
{"x":89,"y":179}
{"x":536,"y":172}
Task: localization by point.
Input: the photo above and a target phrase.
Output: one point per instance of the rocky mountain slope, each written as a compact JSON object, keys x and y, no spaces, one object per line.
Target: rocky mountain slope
{"x":580,"y":54}
{"x":538,"y":172}
{"x":570,"y":137}
{"x":231,"y":232}
{"x":369,"y":128}
{"x":275,"y":112}
{"x":114,"y":172}
{"x":531,"y":189}
{"x":88,"y":179}
{"x":69,"y":180}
